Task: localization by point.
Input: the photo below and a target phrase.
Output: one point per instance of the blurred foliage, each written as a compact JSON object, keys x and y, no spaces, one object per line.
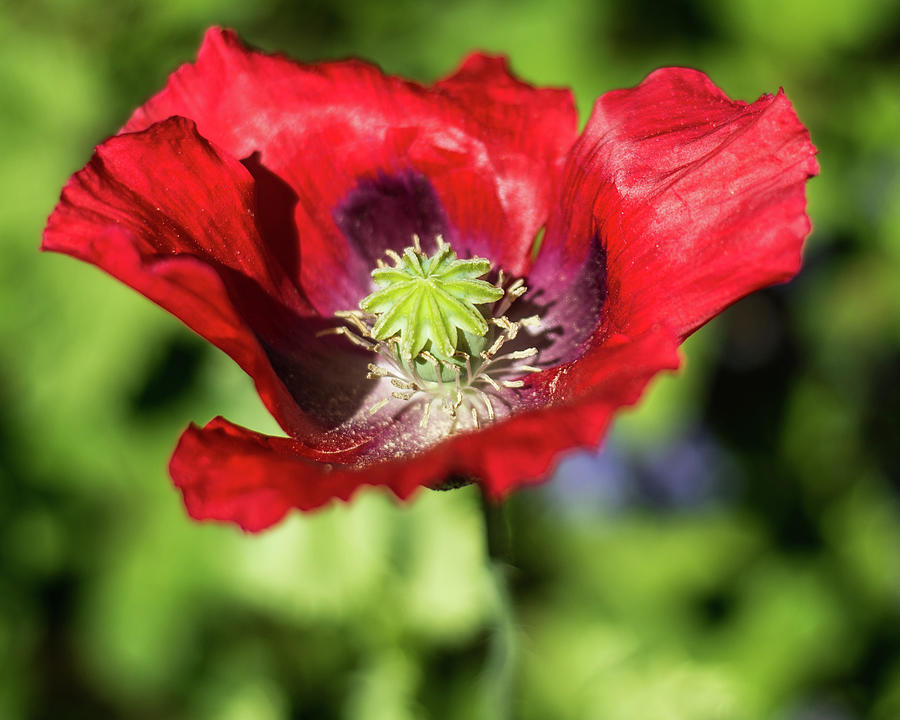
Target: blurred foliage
{"x":733,"y":554}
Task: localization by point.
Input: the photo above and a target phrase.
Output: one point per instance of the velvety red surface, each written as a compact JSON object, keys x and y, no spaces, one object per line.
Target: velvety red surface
{"x":251,"y":196}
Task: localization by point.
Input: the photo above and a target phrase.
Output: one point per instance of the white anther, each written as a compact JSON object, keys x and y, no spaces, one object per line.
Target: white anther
{"x":425,"y":413}
{"x":494,"y":349}
{"x":354,"y":338}
{"x":512,"y":383}
{"x":520,"y":354}
{"x":358,"y":323}
{"x":330,"y":331}
{"x":487,"y":405}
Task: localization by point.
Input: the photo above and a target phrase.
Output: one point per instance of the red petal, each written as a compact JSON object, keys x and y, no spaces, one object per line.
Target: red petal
{"x":527,"y":133}
{"x":491,"y":147}
{"x":176,"y":195}
{"x":165,"y":213}
{"x":698,"y":199}
{"x":228,"y":473}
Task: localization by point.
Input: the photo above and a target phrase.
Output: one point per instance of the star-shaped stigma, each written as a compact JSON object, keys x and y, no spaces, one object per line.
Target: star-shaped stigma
{"x":429,"y":301}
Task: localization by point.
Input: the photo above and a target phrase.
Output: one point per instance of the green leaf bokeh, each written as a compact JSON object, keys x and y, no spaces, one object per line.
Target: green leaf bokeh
{"x":765,"y":585}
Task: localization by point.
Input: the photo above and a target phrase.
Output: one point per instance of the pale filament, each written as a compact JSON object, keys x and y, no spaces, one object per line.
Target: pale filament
{"x":466,"y":399}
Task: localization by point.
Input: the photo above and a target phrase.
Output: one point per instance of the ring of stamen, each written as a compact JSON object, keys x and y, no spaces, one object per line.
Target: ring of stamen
{"x":462,"y":382}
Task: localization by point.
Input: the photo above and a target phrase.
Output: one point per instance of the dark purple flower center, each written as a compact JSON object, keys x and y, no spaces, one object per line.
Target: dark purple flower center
{"x":440,"y":333}
{"x":383,"y":213}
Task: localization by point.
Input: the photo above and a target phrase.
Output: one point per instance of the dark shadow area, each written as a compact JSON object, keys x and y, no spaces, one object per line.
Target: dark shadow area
{"x":570,"y":309}
{"x":881,"y":420}
{"x":275,"y":204}
{"x":746,"y":404}
{"x":715,"y":609}
{"x":172,"y":375}
{"x":325,"y":375}
{"x":646,"y":25}
{"x":385,"y":212}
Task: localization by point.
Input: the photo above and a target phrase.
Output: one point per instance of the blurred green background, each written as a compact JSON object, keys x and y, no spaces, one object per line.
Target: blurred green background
{"x":733,"y":554}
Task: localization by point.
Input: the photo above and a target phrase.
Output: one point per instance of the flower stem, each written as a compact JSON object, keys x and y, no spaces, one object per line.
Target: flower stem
{"x":500,"y":665}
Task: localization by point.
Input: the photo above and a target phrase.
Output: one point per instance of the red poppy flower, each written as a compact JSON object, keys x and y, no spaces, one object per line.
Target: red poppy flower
{"x":254,"y":196}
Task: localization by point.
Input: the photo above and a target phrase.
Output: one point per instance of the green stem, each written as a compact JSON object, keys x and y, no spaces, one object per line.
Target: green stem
{"x":500,"y":666}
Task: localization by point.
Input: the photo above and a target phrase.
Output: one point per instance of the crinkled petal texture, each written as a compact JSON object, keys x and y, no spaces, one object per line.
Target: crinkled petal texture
{"x":170,"y":215}
{"x":696,"y":199}
{"x":252,"y":196}
{"x":491,"y":147}
{"x":230,"y":473}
